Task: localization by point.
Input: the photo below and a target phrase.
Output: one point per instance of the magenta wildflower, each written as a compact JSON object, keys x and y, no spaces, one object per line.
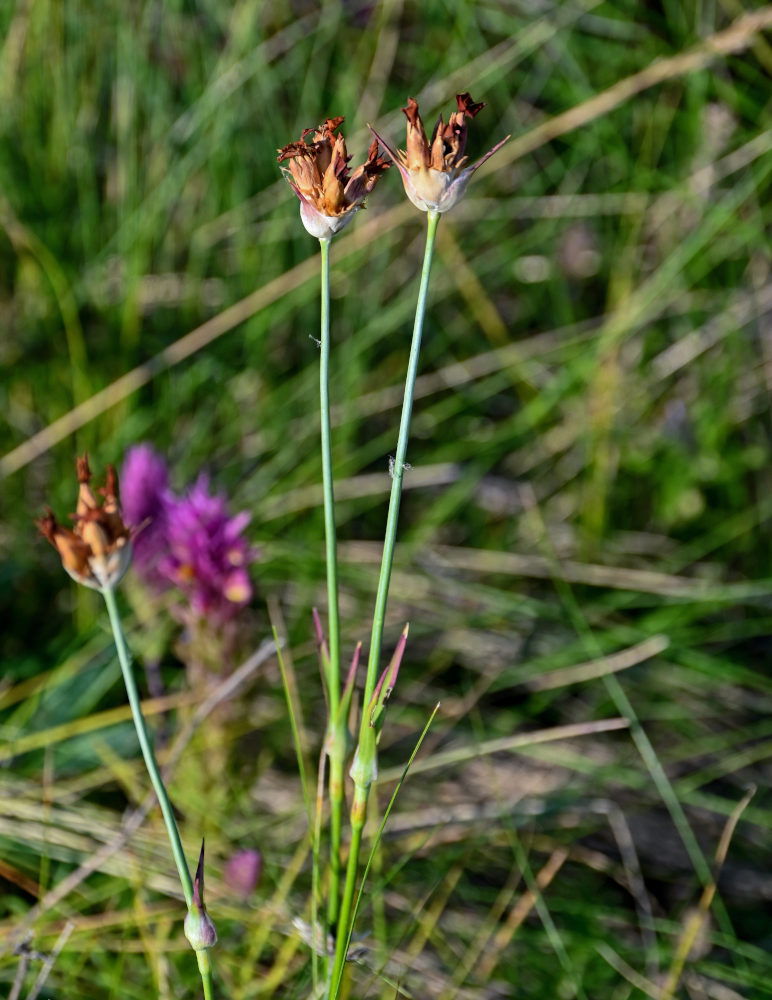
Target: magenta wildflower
{"x":146,"y":498}
{"x":242,"y":872}
{"x":208,"y":555}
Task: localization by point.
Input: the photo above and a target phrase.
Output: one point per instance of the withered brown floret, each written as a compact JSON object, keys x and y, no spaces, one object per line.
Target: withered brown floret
{"x":319,"y":174}
{"x":434,"y":173}
{"x":97,"y":551}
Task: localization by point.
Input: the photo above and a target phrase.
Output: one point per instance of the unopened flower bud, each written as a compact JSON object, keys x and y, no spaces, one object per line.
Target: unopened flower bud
{"x":199,"y":926}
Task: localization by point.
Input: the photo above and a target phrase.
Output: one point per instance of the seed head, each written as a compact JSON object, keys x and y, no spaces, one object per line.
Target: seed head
{"x":318,"y":173}
{"x":435,"y":173}
{"x":97,"y":552}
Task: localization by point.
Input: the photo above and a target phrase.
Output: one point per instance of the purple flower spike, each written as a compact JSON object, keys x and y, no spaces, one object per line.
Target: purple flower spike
{"x":208,"y":555}
{"x":145,"y":495}
{"x":242,"y":872}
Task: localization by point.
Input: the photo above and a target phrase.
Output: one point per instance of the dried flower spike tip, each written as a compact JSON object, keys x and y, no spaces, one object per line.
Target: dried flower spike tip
{"x":318,"y":173}
{"x":434,"y":173}
{"x":97,"y":552}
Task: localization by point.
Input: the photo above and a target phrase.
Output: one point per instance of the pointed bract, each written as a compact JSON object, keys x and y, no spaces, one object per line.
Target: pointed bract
{"x":387,"y":682}
{"x":199,"y":927}
{"x":198,"y":881}
{"x":323,"y":653}
{"x":348,"y":687}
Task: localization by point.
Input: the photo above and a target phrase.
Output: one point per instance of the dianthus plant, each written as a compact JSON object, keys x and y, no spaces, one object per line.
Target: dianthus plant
{"x":192,"y":542}
{"x":435,"y":175}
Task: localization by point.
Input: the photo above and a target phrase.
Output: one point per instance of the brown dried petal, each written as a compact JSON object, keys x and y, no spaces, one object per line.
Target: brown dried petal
{"x":110,"y":510}
{"x":437,"y":158}
{"x":327,"y":129}
{"x":305,"y":173}
{"x":95,"y":533}
{"x":417,"y":145}
{"x":335,"y":177}
{"x":292,"y":150}
{"x":466,"y":106}
{"x":82,"y":469}
{"x":365,"y":177}
{"x":86,"y":499}
{"x":73,"y":551}
{"x":325,"y":139}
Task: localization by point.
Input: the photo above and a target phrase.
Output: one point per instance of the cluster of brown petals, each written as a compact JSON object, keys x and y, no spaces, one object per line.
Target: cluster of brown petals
{"x":98,"y":551}
{"x":319,"y":173}
{"x":445,"y":152}
{"x":434,"y":172}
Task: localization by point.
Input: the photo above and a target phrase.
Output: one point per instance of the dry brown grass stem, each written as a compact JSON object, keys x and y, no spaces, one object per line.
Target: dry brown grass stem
{"x":97,"y":859}
{"x":517,"y":914}
{"x":732,"y":40}
{"x":516,"y":742}
{"x":489,"y":562}
{"x":696,"y":919}
{"x":610,"y":664}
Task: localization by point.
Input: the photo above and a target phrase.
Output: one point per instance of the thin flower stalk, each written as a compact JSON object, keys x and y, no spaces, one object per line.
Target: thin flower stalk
{"x":330,"y":195}
{"x":97,"y":554}
{"x":335,"y":744}
{"x":204,"y":963}
{"x":364,"y":770}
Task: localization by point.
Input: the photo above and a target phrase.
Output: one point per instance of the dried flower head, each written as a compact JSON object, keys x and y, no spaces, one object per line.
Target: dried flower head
{"x":97,"y":552}
{"x":435,"y":174}
{"x":318,"y":172}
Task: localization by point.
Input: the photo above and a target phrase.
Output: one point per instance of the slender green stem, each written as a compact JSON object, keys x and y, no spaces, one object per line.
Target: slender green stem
{"x":146,"y":746}
{"x":338,"y":972}
{"x":205,"y":968}
{"x":331,"y":553}
{"x":399,"y":467}
{"x":337,"y":763}
{"x":358,"y":815}
{"x":204,"y":962}
{"x":361,"y":791}
{"x":336,"y":747}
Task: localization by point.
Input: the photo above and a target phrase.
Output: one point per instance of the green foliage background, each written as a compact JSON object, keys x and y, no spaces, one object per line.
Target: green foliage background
{"x":590,"y":459}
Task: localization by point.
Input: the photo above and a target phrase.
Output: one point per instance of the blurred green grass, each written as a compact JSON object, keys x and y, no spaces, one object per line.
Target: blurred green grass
{"x":590,"y":470}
